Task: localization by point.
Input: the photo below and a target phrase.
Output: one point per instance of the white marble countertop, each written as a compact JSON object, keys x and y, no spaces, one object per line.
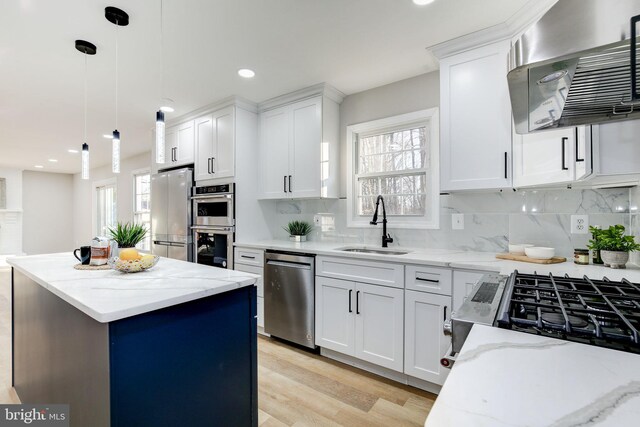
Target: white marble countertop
{"x":108,"y":295}
{"x":482,"y":261}
{"x":509,"y":378}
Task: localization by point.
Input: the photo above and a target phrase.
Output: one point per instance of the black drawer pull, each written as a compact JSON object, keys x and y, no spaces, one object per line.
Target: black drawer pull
{"x":427,"y":280}
{"x":247,"y":256}
{"x":564,"y":142}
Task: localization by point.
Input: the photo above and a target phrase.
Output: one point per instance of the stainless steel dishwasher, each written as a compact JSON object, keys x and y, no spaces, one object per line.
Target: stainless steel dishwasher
{"x":289,"y":297}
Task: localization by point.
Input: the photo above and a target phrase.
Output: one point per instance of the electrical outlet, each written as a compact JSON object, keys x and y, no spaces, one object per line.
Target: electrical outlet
{"x":317,"y":220}
{"x":457,"y":221}
{"x":579,"y":224}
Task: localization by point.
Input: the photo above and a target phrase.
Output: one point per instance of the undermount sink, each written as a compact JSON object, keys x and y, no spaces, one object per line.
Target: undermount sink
{"x":374,"y":251}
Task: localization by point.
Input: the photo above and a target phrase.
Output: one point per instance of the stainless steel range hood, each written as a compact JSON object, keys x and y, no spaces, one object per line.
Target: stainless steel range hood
{"x":573,"y":66}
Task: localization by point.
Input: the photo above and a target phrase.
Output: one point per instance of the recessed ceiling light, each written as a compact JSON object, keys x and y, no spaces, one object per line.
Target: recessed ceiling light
{"x":246,"y":73}
{"x":108,"y":136}
{"x":38,"y":166}
{"x":53,"y":160}
{"x":422,"y":2}
{"x":72,"y":151}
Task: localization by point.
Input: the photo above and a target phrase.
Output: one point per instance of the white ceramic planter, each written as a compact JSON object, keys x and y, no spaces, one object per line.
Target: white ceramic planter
{"x":614,"y":259}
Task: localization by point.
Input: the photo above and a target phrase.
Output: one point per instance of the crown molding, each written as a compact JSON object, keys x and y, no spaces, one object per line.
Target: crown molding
{"x":323,"y":89}
{"x":512,"y":27}
{"x":237,"y":101}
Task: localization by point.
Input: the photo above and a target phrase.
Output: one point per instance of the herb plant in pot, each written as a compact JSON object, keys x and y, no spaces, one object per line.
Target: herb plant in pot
{"x":613,"y":245}
{"x":127,"y":235}
{"x":298,"y":230}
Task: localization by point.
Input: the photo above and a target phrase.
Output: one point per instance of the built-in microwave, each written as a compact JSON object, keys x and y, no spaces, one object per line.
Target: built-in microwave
{"x":214,"y":205}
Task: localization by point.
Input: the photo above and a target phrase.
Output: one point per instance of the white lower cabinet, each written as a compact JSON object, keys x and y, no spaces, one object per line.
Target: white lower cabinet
{"x":247,"y":268}
{"x":425,"y":342}
{"x":361,"y":320}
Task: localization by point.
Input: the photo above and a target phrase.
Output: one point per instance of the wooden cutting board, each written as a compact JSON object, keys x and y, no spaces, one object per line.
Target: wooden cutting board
{"x":524,"y":258}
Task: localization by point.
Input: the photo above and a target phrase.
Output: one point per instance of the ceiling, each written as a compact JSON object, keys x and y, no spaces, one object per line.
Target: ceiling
{"x":353,"y":45}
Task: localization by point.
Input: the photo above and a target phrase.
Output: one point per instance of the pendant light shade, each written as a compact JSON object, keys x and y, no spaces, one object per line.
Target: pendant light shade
{"x":85,"y":161}
{"x":160,"y":137}
{"x":86,"y":48}
{"x":115,"y":152}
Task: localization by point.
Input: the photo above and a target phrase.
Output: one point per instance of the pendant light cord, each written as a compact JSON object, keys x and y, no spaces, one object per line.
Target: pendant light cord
{"x":85,"y":98}
{"x":116,"y":76}
{"x":161,"y":52}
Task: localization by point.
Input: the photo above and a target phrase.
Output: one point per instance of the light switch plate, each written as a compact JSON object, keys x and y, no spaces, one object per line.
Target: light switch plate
{"x":457,"y":221}
{"x":579,"y":224}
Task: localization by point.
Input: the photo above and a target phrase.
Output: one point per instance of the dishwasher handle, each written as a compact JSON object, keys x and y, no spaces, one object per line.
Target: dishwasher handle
{"x":298,"y":265}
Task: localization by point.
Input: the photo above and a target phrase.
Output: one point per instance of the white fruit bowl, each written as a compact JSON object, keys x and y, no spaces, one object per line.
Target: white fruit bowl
{"x":132,"y":266}
{"x":518,"y":249}
{"x":539,"y":252}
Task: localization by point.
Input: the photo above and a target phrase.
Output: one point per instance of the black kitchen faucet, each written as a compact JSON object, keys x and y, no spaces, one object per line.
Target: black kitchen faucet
{"x":385,"y":237}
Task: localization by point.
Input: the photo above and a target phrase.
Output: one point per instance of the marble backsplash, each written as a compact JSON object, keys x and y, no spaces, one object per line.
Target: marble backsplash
{"x":540,"y":217}
{"x":634,"y":209}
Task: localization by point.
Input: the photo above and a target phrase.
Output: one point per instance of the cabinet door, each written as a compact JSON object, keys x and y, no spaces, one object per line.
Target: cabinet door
{"x":463,"y":283}
{"x":306,"y":122}
{"x":185,"y":144}
{"x":204,"y":147}
{"x":476,"y":119}
{"x":223,"y":162}
{"x":380,"y":325}
{"x":425,"y":342}
{"x":546,"y":157}
{"x":170,"y":144}
{"x":335,"y":315}
{"x":274,"y":148}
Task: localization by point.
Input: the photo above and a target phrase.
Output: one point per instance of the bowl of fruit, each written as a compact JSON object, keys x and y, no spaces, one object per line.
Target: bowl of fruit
{"x":129,"y":260}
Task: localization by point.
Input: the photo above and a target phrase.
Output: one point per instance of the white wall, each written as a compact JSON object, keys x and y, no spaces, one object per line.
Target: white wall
{"x":14,"y":187}
{"x":47,"y":201}
{"x":83,"y":192}
{"x":11,"y":217}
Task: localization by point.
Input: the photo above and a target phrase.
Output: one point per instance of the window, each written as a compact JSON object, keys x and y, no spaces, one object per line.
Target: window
{"x":105,"y":207}
{"x":397,"y":158}
{"x":141,"y":203}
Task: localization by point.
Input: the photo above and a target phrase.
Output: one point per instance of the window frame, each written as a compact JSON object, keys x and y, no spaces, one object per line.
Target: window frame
{"x":94,"y":199}
{"x":398,"y":122}
{"x":134,"y":211}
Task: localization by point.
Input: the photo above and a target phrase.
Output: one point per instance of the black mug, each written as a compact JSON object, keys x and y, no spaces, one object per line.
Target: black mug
{"x":85,"y":254}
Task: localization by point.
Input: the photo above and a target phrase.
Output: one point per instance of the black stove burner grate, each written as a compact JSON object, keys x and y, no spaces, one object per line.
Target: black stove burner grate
{"x":600,"y":312}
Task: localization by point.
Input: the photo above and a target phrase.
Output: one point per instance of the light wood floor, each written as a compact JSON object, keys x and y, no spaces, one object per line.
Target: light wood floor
{"x":298,"y":388}
{"x":295,"y":387}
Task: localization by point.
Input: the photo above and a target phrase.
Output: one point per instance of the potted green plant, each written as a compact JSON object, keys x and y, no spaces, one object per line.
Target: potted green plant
{"x":128,"y":235}
{"x":298,"y":230}
{"x":613,"y":245}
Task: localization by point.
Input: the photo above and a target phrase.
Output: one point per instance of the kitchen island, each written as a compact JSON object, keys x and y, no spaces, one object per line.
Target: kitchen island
{"x":508,"y":378}
{"x":174,"y":345}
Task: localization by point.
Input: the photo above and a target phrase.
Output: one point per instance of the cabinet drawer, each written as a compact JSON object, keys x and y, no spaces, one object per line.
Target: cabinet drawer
{"x":254,"y":270}
{"x":249,"y":256}
{"x":428,"y":279}
{"x":374,"y":272}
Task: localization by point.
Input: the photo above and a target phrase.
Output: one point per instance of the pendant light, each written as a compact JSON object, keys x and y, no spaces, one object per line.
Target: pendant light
{"x":160,"y":131}
{"x":87,"y":49}
{"x":119,"y":18}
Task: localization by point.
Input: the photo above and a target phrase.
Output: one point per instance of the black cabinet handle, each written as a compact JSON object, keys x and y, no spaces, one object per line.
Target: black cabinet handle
{"x":505,"y":165}
{"x":357,"y":302}
{"x":175,"y":155}
{"x":445,"y":313}
{"x":290,"y":191}
{"x":564,"y":143}
{"x":284,"y":183}
{"x":578,"y":159}
{"x":350,"y":292}
{"x":632,"y":50}
{"x":209,"y":165}
{"x":427,"y":280}
{"x":213,"y":159}
{"x":247,"y":256}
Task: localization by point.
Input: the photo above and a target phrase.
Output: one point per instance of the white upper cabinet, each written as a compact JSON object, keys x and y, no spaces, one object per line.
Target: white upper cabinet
{"x":551,"y":157}
{"x":299,"y":144}
{"x":179,"y":144}
{"x":475,"y":146}
{"x":215,"y":145}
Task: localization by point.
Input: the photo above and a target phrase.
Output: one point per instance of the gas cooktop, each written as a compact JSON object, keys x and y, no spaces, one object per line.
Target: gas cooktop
{"x":596,"y":312}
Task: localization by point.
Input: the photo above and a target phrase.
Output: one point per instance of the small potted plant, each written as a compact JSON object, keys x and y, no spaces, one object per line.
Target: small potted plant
{"x":298,"y":230}
{"x":613,"y":245}
{"x":127,"y":235}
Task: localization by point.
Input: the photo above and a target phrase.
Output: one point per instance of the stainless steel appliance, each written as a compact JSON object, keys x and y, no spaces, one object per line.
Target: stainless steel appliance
{"x":214,"y":225}
{"x":171,"y":214}
{"x":596,"y":312}
{"x":289,"y":297}
{"x":576,"y":65}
